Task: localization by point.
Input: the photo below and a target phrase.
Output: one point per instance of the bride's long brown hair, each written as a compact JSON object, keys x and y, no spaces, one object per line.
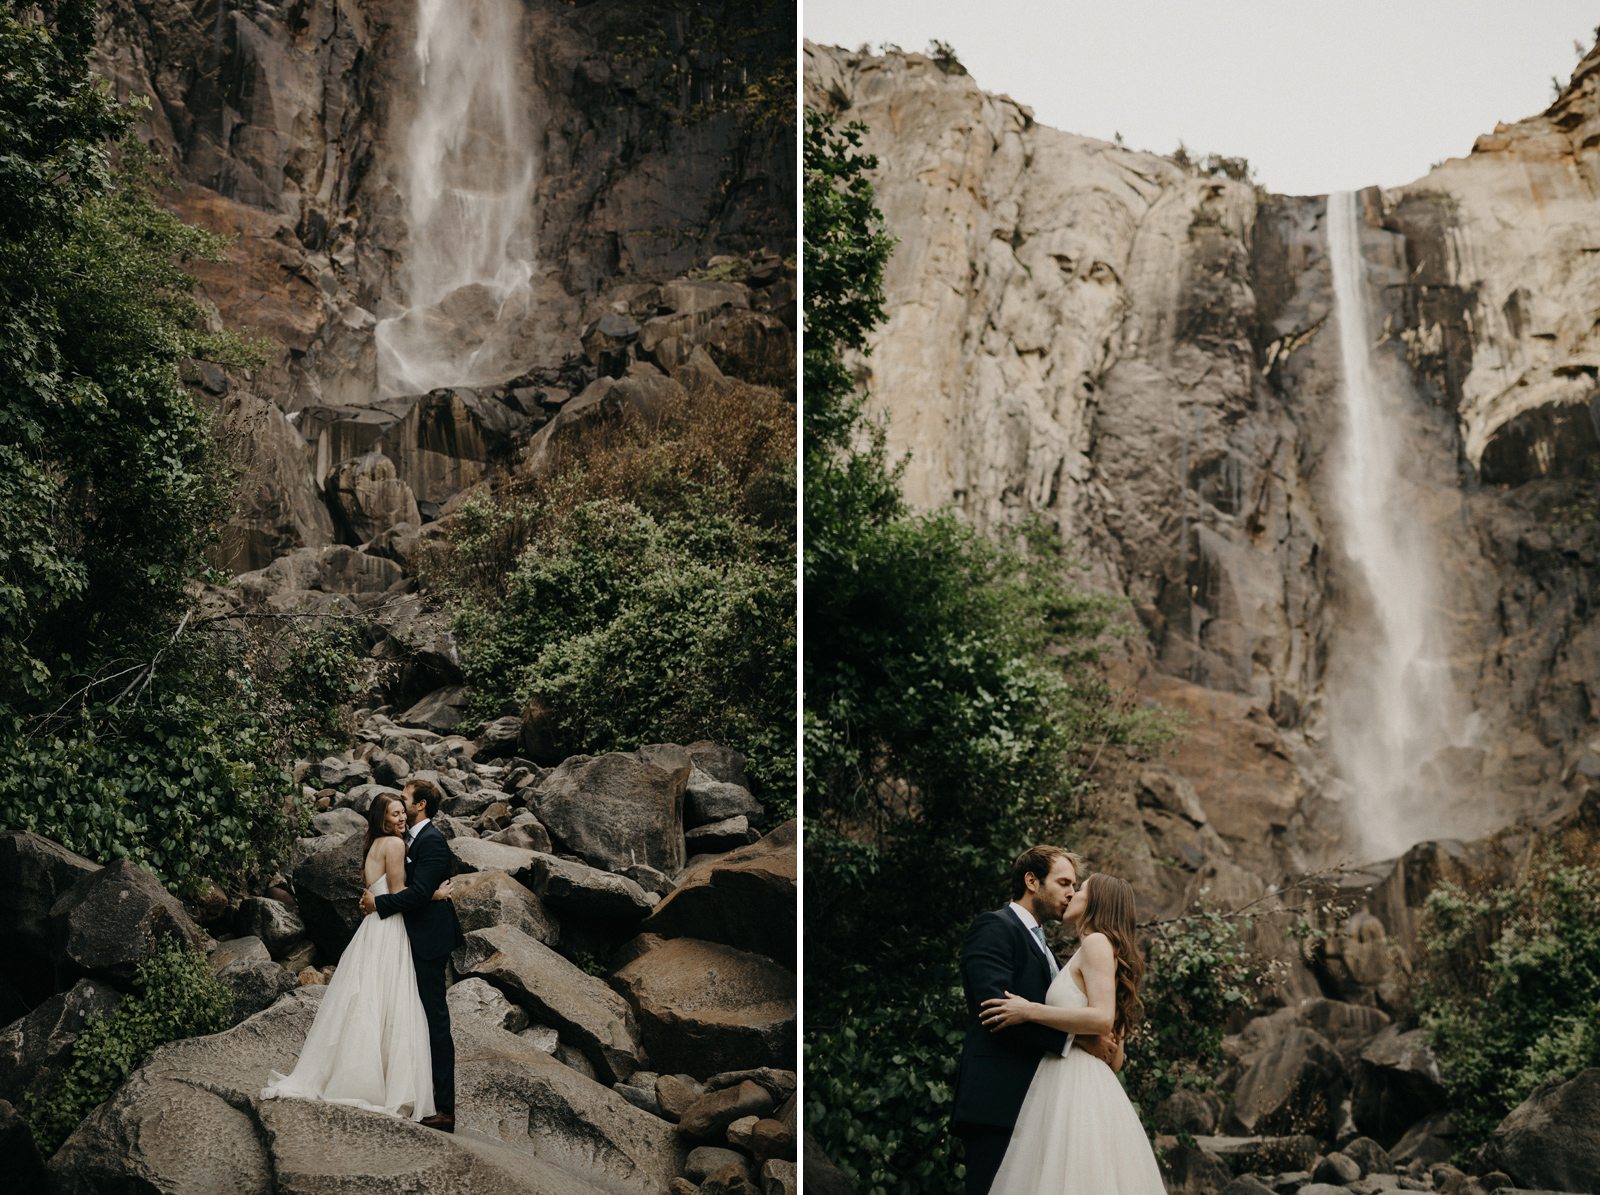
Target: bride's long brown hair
{"x":1110,"y":912}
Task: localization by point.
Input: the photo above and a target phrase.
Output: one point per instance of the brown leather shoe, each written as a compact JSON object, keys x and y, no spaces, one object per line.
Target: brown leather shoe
{"x":442,"y":1121}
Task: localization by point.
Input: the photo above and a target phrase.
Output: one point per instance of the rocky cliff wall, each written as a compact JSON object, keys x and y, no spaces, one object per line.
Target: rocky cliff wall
{"x":285,"y":120}
{"x":660,"y":152}
{"x":1147,"y":355}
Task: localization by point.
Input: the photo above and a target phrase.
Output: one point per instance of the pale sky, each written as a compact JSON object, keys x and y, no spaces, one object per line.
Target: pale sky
{"x":1320,"y":97}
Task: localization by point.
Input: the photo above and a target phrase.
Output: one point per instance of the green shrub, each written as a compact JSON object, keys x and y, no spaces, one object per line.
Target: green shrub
{"x":628,"y":631}
{"x":879,"y":1081}
{"x":1196,"y":978}
{"x":175,"y":996}
{"x":642,"y":589}
{"x":1509,"y":988}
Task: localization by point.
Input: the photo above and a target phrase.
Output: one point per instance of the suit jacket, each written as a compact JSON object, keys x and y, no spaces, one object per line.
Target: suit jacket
{"x":998,"y":956}
{"x":431,"y":924}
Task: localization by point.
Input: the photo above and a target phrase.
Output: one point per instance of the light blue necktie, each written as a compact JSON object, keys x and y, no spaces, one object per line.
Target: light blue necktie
{"x":1055,"y":970}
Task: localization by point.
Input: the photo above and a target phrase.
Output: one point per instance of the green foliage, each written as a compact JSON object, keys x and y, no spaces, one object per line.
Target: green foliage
{"x":1196,"y":977}
{"x":879,"y":1081}
{"x":642,"y":590}
{"x":950,"y":689}
{"x":175,"y":996}
{"x":628,"y":630}
{"x":317,"y":673}
{"x":183,"y":775}
{"x":1510,"y":988}
{"x":111,"y":487}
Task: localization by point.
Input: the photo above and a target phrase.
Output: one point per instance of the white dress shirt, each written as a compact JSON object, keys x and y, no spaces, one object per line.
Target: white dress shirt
{"x":1029,"y":921}
{"x":411,"y":835}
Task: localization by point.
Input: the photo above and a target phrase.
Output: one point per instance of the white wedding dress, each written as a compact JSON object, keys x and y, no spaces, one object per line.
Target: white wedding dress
{"x":368,"y":1045}
{"x":1077,"y":1132}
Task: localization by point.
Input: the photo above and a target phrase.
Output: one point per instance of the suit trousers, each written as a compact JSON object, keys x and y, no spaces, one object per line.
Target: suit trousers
{"x":441,"y":1047}
{"x":986,"y":1149}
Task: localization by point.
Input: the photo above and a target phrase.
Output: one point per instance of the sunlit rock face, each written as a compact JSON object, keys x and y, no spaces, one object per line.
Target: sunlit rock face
{"x":1148,"y":356}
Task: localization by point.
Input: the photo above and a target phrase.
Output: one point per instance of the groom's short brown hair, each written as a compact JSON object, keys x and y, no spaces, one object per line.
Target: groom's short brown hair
{"x":427,"y":792}
{"x":1037,"y":861}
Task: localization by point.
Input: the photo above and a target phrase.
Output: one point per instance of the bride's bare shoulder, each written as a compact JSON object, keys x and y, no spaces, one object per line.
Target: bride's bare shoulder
{"x":386,"y":848}
{"x":1096,"y":945}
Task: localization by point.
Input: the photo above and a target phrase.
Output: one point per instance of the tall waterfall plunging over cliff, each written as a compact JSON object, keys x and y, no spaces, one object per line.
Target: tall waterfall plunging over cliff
{"x":468,"y":188}
{"x":1394,"y":705}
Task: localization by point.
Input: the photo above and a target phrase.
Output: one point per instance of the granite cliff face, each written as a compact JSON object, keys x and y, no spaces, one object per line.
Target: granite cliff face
{"x":286,"y":123}
{"x":1147,"y":354}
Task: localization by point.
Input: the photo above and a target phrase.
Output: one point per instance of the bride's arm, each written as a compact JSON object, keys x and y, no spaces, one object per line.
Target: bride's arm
{"x":1098,"y":964}
{"x":393,"y":853}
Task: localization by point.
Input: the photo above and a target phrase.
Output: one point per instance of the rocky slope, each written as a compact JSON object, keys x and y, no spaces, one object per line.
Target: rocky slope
{"x":1145,"y":353}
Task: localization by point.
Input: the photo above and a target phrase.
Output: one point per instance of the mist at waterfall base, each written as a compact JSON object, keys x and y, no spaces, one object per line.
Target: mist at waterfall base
{"x":1392,"y":701}
{"x":467,"y":184}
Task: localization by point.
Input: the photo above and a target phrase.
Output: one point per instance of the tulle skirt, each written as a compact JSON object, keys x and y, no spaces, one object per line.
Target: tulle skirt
{"x":1077,"y":1134}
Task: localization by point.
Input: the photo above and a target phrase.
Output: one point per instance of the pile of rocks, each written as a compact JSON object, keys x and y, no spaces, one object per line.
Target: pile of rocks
{"x":624,"y":1006}
{"x":1331,"y":1097}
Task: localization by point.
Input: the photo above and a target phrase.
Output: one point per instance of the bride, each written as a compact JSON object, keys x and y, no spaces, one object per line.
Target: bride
{"x":368,"y":1045}
{"x":1077,"y":1133}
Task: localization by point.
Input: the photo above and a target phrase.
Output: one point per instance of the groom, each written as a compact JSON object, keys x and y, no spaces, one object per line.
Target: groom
{"x":434,"y":932}
{"x":1004,"y":951}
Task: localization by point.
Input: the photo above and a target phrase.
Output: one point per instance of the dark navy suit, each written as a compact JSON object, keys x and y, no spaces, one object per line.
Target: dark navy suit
{"x":434,"y":931}
{"x":998,"y":955}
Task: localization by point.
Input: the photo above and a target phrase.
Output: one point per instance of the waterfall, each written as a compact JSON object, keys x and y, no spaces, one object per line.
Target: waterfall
{"x":1395,"y":706}
{"x":467,"y":185}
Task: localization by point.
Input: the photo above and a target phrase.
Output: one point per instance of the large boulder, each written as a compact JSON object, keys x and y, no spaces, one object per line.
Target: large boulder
{"x":34,"y":874}
{"x":1551,"y":1141}
{"x":597,"y":896}
{"x":711,"y":800}
{"x":485,"y":899}
{"x":338,"y":569}
{"x":37,"y":1048}
{"x":328,"y":885}
{"x":587,"y":1013}
{"x":745,"y":899}
{"x":475,"y":998}
{"x":277,"y":925}
{"x":254,"y":985}
{"x":711,"y":1114}
{"x":480,"y":855}
{"x":1397,"y":1083}
{"x":1294,"y":1087}
{"x":440,"y":711}
{"x":525,"y":1123}
{"x":19,"y":1157}
{"x":367,"y":497}
{"x":110,"y":919}
{"x":617,"y":809}
{"x":704,"y":1007}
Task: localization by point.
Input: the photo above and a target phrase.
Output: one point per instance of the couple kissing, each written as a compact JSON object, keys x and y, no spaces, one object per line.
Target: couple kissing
{"x":381,"y":1037}
{"x":1037,"y":1100}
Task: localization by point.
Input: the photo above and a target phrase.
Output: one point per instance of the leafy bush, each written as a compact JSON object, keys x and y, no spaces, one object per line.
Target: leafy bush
{"x":643,"y":590}
{"x":1195,"y":978}
{"x":879,"y":1081}
{"x":1510,"y":988}
{"x":175,"y":996}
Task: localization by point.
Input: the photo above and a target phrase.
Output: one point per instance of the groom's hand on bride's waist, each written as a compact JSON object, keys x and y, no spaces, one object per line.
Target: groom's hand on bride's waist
{"x":1106,"y":1048}
{"x":368,"y":905}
